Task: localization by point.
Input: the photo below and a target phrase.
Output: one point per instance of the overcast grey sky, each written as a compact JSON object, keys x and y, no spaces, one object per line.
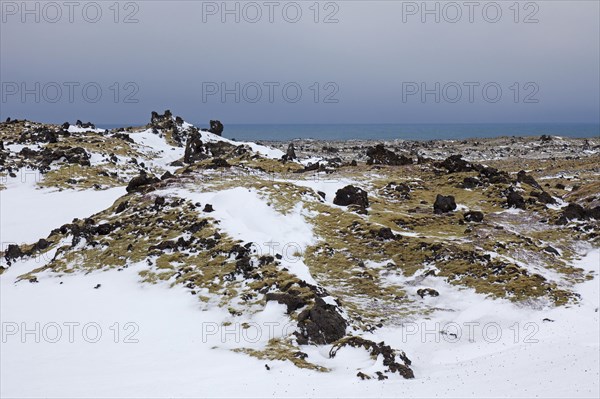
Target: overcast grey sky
{"x":370,"y":66}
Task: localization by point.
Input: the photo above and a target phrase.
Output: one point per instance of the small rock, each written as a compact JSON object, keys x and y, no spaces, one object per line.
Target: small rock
{"x":473,"y":216}
{"x":423,"y":292}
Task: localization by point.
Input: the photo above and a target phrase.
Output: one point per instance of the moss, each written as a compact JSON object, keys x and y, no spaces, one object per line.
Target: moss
{"x":282,"y":350}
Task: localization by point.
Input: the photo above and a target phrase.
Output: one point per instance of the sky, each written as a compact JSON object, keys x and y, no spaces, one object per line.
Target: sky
{"x":275,"y":62}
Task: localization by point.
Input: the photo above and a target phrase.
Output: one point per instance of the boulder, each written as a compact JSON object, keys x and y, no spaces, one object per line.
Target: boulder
{"x":216,"y":127}
{"x":138,"y":182}
{"x":351,"y":195}
{"x":385,"y":233}
{"x":455,"y":164}
{"x":321,"y":324}
{"x":194,"y":148}
{"x":577,"y":212}
{"x":543,"y":197}
{"x":523,"y":177}
{"x":515,"y":200}
{"x":470,"y":182}
{"x":290,"y":154}
{"x":444,"y":204}
{"x":12,"y":252}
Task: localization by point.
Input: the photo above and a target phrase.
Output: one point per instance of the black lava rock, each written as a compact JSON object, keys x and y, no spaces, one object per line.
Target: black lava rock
{"x":351,"y":195}
{"x":444,"y":203}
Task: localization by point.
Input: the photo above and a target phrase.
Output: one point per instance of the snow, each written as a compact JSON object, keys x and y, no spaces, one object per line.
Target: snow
{"x":76,"y":129}
{"x":261,"y":149}
{"x":244,"y":215}
{"x":28,"y":213}
{"x":156,"y":148}
{"x":178,"y":354}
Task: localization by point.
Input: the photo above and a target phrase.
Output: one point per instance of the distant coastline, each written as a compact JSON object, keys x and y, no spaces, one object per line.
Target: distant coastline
{"x":416,"y":131}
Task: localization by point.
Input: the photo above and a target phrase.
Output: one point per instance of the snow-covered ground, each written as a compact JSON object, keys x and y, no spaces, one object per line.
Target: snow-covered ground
{"x":171,"y":347}
{"x":63,"y":338}
{"x":29,"y":213}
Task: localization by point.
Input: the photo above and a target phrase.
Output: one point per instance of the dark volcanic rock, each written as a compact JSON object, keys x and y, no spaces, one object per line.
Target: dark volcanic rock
{"x":41,"y":245}
{"x":351,"y":195}
{"x":290,"y":154}
{"x":543,"y":197}
{"x":455,"y":163}
{"x":87,"y":125}
{"x":293,"y":302}
{"x":155,"y":118}
{"x":140,"y":181}
{"x":12,"y":252}
{"x":167,"y":175}
{"x":379,"y":155}
{"x":523,"y":177}
{"x":494,"y":176}
{"x":470,"y":182}
{"x":216,"y":163}
{"x":208,"y":208}
{"x":574,"y":211}
{"x":313,"y":167}
{"x":385,"y":233}
{"x":578,"y":212}
{"x":216,"y":127}
{"x":194,"y":148}
{"x":423,"y":292}
{"x":122,"y":206}
{"x":73,"y":155}
{"x":104,"y":229}
{"x":388,"y":354}
{"x":474,"y":216}
{"x":321,"y":324}
{"x":515,"y":200}
{"x":551,"y":250}
{"x":444,"y":204}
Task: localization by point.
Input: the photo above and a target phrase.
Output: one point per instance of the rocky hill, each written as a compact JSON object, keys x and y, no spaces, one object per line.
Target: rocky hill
{"x":347,"y":238}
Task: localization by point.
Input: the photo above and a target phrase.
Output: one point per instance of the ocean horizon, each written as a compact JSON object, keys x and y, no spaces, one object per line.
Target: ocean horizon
{"x":396,"y":131}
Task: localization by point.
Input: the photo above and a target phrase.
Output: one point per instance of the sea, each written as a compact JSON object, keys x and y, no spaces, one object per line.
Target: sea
{"x":421,"y":131}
